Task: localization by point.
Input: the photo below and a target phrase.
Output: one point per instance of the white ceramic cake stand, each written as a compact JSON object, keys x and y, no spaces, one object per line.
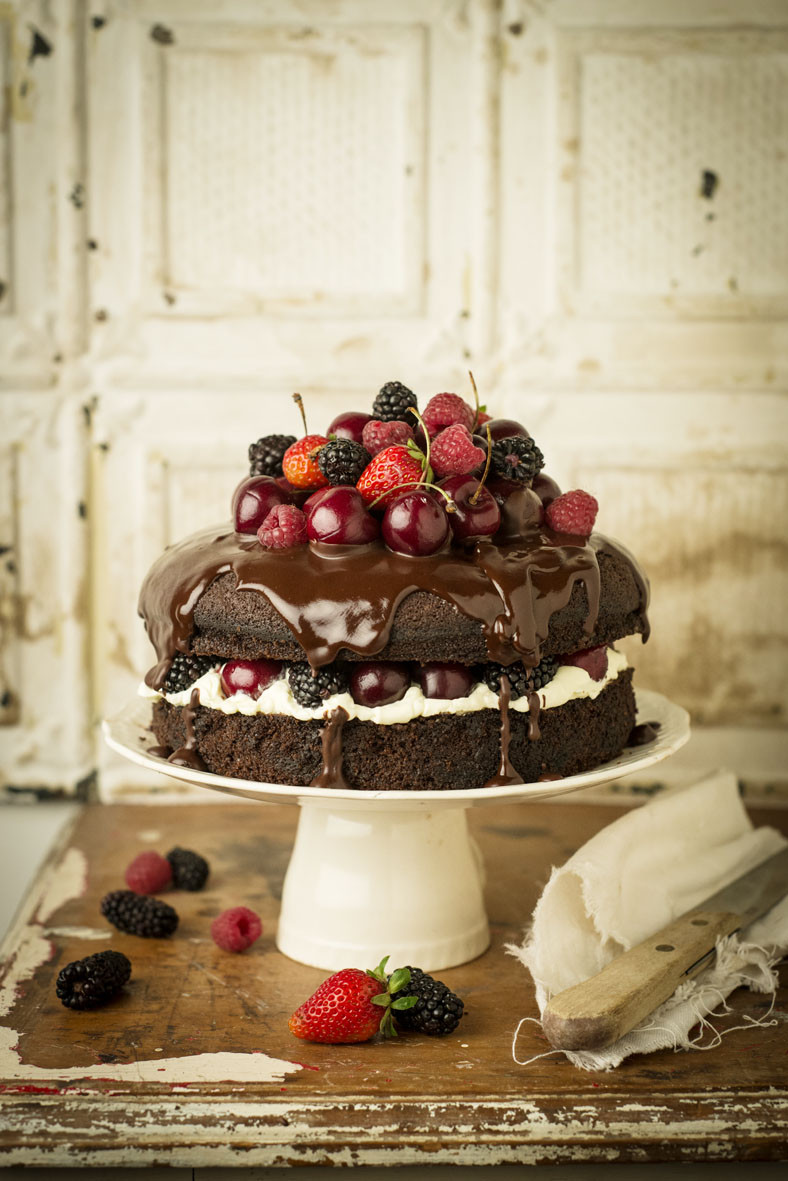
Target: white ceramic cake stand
{"x":376,"y":873}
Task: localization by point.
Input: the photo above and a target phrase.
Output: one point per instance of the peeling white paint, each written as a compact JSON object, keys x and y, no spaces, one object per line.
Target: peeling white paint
{"x":33,"y":950}
{"x":97,"y":933}
{"x":65,"y":880}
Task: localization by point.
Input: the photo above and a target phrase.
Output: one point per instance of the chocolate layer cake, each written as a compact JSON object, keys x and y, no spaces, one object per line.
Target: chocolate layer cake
{"x":286,"y":658}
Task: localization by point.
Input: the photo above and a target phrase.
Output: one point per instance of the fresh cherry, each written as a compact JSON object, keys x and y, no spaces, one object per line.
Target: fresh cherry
{"x":593,"y":660}
{"x":545,"y":488}
{"x":349,"y":425}
{"x":249,"y":676}
{"x":415,"y":524}
{"x":296,"y":496}
{"x":253,"y":500}
{"x":379,"y":682}
{"x":501,"y":488}
{"x":338,"y":516}
{"x":521,"y":513}
{"x":504,"y":428}
{"x":479,"y":519}
{"x":446,"y":681}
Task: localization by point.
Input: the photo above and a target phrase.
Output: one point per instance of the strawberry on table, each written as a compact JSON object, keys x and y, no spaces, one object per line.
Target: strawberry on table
{"x":351,"y":1006}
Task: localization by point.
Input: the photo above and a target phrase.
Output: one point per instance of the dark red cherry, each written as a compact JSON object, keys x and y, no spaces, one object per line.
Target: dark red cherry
{"x":295,"y":496}
{"x":503,"y":428}
{"x":415,"y":524}
{"x":447,"y":681}
{"x":481,"y":519}
{"x":249,"y":676}
{"x":338,"y":516}
{"x":545,"y":488}
{"x":501,"y":488}
{"x":253,"y":500}
{"x":349,"y":425}
{"x":379,"y":682}
{"x":521,"y":513}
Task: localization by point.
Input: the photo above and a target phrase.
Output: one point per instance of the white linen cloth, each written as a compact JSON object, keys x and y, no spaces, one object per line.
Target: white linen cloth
{"x":642,"y":871}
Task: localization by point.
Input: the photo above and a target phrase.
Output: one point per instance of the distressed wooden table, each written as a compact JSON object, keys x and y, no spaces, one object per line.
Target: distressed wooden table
{"x":194,"y":1064}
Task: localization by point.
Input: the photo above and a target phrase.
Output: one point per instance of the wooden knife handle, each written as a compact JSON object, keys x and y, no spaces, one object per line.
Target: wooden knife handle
{"x":597,"y":1012}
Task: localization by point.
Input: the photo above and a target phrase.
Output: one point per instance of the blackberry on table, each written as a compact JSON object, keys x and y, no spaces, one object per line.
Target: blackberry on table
{"x":342,"y":460}
{"x":265,"y":456}
{"x":186,"y":668}
{"x":88,"y":983}
{"x":516,"y":458}
{"x":393,"y":403}
{"x":138,"y":914}
{"x":311,"y":689}
{"x":189,"y":870}
{"x":437,"y":1010}
{"x":521,"y":679}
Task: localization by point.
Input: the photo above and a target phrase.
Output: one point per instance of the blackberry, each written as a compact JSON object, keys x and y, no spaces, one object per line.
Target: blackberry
{"x":88,"y":983}
{"x":265,"y":456}
{"x":437,"y":1010}
{"x":138,"y":914}
{"x":189,"y":870}
{"x":342,"y":460}
{"x":393,"y":402}
{"x":311,"y":689}
{"x":185,"y":669}
{"x":521,"y":679}
{"x":516,"y":458}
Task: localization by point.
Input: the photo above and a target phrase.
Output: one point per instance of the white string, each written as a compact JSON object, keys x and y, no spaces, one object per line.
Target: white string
{"x":528,"y":1061}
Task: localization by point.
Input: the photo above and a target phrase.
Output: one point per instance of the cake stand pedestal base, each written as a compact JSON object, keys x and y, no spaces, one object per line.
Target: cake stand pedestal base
{"x":362,"y":884}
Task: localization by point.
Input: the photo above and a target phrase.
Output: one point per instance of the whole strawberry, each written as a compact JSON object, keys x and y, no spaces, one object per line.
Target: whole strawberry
{"x":351,"y":1006}
{"x":299,"y":462}
{"x":384,"y":477}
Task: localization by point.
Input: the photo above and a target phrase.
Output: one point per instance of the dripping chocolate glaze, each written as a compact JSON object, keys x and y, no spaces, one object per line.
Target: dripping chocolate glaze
{"x":331,"y":773}
{"x":188,"y":755}
{"x":507,"y":774}
{"x":334,"y":597}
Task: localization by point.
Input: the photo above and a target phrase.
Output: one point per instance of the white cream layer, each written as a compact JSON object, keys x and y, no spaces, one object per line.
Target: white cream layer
{"x":568,"y":684}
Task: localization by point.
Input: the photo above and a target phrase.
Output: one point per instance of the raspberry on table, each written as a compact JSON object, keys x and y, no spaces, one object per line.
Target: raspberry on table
{"x":516,"y":458}
{"x":265,"y":456}
{"x":394,"y":402}
{"x":454,"y":453}
{"x":283,"y":528}
{"x":137,"y":914}
{"x":437,"y":1010}
{"x":342,"y":461}
{"x":446,"y":410}
{"x":377,"y":436}
{"x":236,"y":929}
{"x":521,"y":680}
{"x":311,"y":689}
{"x":186,"y":668}
{"x":91,"y":982}
{"x":573,"y":512}
{"x":189,"y":870}
{"x":148,"y":873}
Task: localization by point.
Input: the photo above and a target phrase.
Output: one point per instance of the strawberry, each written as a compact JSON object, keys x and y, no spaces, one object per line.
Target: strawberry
{"x":299,"y":462}
{"x":351,"y":1006}
{"x":389,"y":470}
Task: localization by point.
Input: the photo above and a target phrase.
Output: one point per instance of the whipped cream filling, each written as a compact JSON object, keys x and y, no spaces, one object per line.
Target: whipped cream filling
{"x":568,"y":684}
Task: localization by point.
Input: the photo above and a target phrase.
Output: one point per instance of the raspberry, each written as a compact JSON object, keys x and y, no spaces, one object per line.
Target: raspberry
{"x":189,"y":870}
{"x":342,"y":461}
{"x":265,"y":456}
{"x":394,"y":402}
{"x":236,"y":929}
{"x":377,"y":436}
{"x":311,"y":689}
{"x":593,"y":660}
{"x":88,"y":983}
{"x":516,"y":458}
{"x":387,"y":473}
{"x":186,"y":668}
{"x":445,"y":410}
{"x":453,"y":452}
{"x":573,"y":512}
{"x":283,"y":528}
{"x":521,"y":680}
{"x":148,"y":873}
{"x":299,"y":462}
{"x":137,"y":914}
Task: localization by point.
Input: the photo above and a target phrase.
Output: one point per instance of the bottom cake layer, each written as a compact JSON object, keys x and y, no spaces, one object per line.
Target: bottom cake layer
{"x":448,"y":751}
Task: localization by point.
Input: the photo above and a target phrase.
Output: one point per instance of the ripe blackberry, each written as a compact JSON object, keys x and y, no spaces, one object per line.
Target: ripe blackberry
{"x":342,"y":461}
{"x":189,"y":870}
{"x":521,"y":679}
{"x":185,"y":669}
{"x":137,"y":914}
{"x":437,"y":1010}
{"x":88,"y":983}
{"x":265,"y":456}
{"x":516,"y":458}
{"x":311,"y":689}
{"x":393,"y":403}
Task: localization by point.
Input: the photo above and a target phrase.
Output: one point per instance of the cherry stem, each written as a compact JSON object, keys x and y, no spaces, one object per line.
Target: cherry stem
{"x":299,"y":401}
{"x":476,"y":402}
{"x":426,"y":464}
{"x":451,"y":507}
{"x":475,"y":497}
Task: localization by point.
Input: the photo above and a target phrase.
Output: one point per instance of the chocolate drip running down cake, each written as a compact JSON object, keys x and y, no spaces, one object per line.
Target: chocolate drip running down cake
{"x":405,"y":603}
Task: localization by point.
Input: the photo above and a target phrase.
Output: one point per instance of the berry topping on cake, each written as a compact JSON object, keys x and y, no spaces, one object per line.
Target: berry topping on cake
{"x":136,"y":914}
{"x":351,"y":1006}
{"x":349,"y":425}
{"x":384,"y":477}
{"x":88,"y":983}
{"x":342,"y":461}
{"x":394,"y":402}
{"x":311,"y":687}
{"x":236,"y":929}
{"x":545,"y":488}
{"x":437,"y":1010}
{"x":444,"y":681}
{"x":454,"y":452}
{"x":186,"y":668}
{"x":377,"y":436}
{"x":283,"y":528}
{"x":189,"y":870}
{"x":299,"y":463}
{"x":573,"y":512}
{"x":253,"y":500}
{"x":522,"y":680}
{"x":338,"y":516}
{"x":445,"y":410}
{"x":505,"y":428}
{"x":592,"y":660}
{"x":476,"y":512}
{"x":265,"y":456}
{"x":249,"y":676}
{"x":414,"y":523}
{"x":516,"y":458}
{"x":148,"y":873}
{"x":379,"y":682}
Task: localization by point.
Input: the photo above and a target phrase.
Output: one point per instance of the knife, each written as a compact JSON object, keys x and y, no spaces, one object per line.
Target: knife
{"x":598,"y":1011}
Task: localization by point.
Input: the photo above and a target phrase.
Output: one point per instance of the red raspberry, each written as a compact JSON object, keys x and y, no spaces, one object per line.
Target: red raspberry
{"x":283,"y":528}
{"x":299,"y":462}
{"x":593,"y":660}
{"x":387,"y":472}
{"x":148,"y":873}
{"x":453,"y":452}
{"x":377,"y":436}
{"x":446,"y":410}
{"x":236,"y":929}
{"x":573,"y":512}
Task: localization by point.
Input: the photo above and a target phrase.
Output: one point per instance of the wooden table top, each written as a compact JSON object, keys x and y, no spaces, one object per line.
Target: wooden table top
{"x":194,"y":1064}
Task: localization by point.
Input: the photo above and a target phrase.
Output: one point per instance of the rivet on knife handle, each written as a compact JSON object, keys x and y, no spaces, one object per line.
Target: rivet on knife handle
{"x":600,"y":1010}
